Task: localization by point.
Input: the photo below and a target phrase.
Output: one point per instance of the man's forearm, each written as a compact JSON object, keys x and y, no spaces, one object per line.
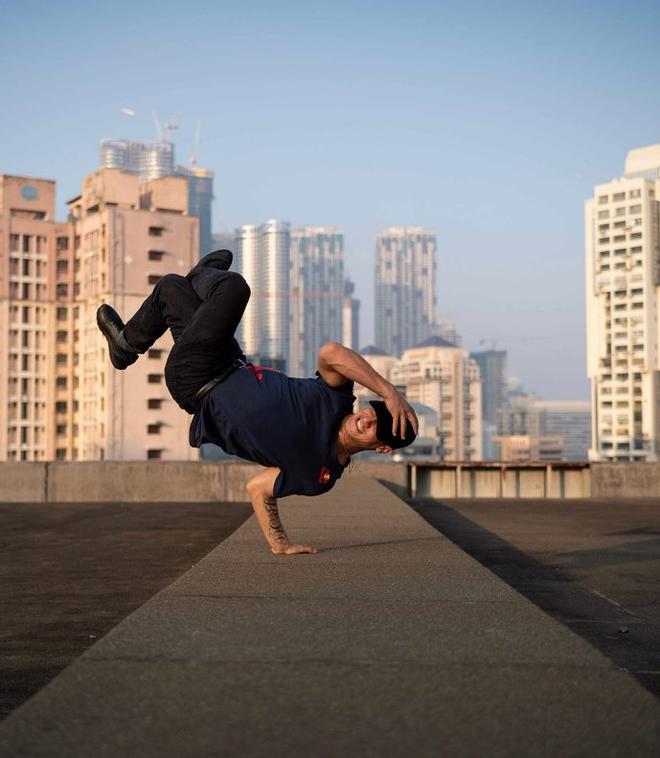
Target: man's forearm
{"x":265,"y":509}
{"x":348,"y":363}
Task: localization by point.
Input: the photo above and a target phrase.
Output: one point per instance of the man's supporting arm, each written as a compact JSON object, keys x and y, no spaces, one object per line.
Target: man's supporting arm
{"x":260,"y":490}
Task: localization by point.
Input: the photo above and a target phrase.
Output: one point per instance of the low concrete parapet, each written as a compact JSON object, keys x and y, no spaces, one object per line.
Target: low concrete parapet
{"x":23,"y":482}
{"x":499,"y":479}
{"x":625,"y":480}
{"x":224,"y":481}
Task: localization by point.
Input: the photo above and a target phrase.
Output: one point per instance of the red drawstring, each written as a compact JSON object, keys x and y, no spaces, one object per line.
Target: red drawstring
{"x":258,"y":370}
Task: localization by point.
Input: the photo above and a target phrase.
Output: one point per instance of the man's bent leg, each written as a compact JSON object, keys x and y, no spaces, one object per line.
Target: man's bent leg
{"x":172,"y":304}
{"x":207,"y":345}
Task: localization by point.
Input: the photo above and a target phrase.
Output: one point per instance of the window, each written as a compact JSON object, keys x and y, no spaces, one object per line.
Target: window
{"x":156,"y":231}
{"x":154,"y":278}
{"x":62,"y":244}
{"x":635,"y":209}
{"x":154,"y":403}
{"x":602,"y":200}
{"x":60,"y":406}
{"x":61,"y":382}
{"x":62,"y":267}
{"x":154,"y":428}
{"x":62,"y":290}
{"x":62,"y":335}
{"x":620,"y":212}
{"x":618,"y":196}
{"x":154,"y":353}
{"x":61,"y":359}
{"x":61,"y":314}
{"x":603,"y":240}
{"x":153,"y":454}
{"x":60,"y":454}
{"x":634,"y":193}
{"x":61,"y":430}
{"x":603,"y":214}
{"x":636,"y":236}
{"x":154,"y":378}
{"x":156,"y":255}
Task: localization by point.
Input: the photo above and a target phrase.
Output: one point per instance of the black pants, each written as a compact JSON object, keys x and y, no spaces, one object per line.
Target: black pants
{"x":203,"y":331}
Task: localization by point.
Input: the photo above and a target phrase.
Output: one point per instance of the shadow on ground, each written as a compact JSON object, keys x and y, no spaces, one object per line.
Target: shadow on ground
{"x":627,"y":635}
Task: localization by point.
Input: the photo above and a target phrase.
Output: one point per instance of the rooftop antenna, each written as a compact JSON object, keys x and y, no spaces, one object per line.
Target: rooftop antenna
{"x":195,"y":146}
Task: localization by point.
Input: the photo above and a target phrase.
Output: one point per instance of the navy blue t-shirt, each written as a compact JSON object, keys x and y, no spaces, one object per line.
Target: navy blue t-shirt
{"x":267,"y":417}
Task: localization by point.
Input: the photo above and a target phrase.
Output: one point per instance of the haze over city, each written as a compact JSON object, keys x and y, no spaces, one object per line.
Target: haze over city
{"x":490,"y":126}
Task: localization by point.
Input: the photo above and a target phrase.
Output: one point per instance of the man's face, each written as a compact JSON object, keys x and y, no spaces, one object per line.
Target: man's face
{"x":362,"y":428}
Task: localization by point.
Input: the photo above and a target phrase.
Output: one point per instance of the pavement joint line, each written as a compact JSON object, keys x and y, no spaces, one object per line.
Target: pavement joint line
{"x":378,"y":599}
{"x":344,"y":661}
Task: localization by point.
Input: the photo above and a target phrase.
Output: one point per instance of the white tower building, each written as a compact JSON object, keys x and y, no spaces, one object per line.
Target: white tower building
{"x":622,"y":283}
{"x":263,"y":253}
{"x":316,"y":295}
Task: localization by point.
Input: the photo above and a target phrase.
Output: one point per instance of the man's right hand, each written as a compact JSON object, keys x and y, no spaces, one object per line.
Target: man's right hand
{"x":400,"y":410}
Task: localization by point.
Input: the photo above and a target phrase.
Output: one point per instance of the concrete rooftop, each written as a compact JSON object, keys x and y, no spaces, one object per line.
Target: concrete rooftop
{"x":390,"y":641}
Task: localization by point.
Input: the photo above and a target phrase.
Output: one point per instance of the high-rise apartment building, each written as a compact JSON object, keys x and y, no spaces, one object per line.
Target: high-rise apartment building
{"x":570,"y":420}
{"x":405,"y":290}
{"x":264,"y":255}
{"x":622,"y":238}
{"x":316,"y":295}
{"x":492,"y":367}
{"x":443,"y":377}
{"x":64,"y":399}
{"x":153,"y":160}
{"x":35,"y":319}
{"x":350,"y":317}
{"x":553,"y":429}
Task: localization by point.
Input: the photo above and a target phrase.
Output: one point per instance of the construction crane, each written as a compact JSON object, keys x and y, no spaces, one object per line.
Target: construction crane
{"x":163,"y":131}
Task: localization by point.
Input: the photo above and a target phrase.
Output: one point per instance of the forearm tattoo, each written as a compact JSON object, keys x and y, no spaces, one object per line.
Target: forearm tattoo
{"x":275,"y":530}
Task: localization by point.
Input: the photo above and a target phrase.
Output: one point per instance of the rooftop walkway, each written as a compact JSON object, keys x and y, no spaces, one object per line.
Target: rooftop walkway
{"x":390,"y":641}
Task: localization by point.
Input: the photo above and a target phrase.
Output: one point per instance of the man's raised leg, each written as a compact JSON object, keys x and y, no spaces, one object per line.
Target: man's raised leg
{"x":171,"y":304}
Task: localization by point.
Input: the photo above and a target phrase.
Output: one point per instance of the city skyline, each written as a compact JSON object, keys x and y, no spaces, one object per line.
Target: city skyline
{"x":486,"y":127}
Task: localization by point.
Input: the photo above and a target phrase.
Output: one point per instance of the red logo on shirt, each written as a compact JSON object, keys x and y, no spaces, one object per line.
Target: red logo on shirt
{"x":324,"y":476}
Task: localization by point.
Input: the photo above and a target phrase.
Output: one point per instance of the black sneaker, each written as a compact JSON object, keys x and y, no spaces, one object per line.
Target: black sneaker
{"x":206,"y":274}
{"x":111,"y":325}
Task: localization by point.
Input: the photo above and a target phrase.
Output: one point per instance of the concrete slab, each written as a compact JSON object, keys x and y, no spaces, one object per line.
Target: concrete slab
{"x":367,"y":648}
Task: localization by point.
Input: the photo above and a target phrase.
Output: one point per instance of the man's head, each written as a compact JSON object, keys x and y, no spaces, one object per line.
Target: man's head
{"x":371,"y":429}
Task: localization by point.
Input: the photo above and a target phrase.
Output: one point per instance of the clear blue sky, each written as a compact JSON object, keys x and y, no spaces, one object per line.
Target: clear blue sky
{"x":488,"y":122}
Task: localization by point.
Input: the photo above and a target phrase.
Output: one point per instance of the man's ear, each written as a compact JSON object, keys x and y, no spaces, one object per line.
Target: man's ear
{"x":384,"y":450}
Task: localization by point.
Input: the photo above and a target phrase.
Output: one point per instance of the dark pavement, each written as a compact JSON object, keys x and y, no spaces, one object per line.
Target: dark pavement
{"x":71,"y":572}
{"x":390,"y":641}
{"x":593,"y":565}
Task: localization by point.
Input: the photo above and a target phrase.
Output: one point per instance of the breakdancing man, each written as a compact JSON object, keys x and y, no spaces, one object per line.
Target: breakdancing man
{"x":303,"y":431}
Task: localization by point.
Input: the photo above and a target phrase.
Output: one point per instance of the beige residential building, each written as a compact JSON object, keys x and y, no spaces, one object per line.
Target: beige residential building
{"x":622,"y":285}
{"x":34,"y":272}
{"x":443,"y":377}
{"x":522,"y":448}
{"x":64,"y":399}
